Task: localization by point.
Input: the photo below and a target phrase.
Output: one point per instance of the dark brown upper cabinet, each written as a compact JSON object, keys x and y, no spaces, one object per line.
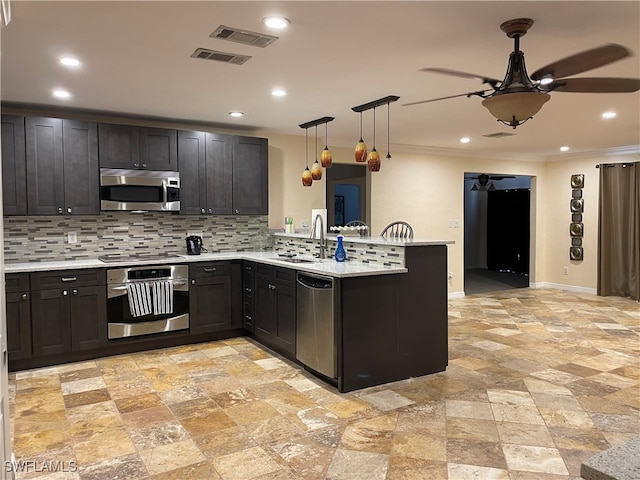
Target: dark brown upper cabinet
{"x":250,"y":176}
{"x":62,"y":167}
{"x":225,"y":174}
{"x":132,"y":147}
{"x":14,"y":166}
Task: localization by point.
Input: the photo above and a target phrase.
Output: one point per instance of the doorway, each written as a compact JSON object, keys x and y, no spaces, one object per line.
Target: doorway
{"x":347,"y":194}
{"x":497,"y":237}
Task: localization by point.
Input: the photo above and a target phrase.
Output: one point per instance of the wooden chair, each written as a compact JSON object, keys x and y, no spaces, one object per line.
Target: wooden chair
{"x":397,"y":229}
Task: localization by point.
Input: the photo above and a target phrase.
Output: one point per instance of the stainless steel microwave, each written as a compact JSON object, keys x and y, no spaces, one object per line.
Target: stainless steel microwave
{"x":134,"y":190}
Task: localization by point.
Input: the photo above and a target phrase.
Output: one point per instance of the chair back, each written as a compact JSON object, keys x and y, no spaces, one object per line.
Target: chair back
{"x":398,"y":229}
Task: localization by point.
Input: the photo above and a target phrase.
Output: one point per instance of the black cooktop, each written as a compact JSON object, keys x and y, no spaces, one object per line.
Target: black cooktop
{"x":119,"y":257}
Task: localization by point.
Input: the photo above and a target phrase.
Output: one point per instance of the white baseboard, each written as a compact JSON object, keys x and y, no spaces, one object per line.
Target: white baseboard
{"x":455,"y":295}
{"x":560,"y":286}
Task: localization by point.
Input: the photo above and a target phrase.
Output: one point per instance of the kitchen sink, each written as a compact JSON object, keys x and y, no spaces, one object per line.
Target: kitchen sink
{"x":297,"y":260}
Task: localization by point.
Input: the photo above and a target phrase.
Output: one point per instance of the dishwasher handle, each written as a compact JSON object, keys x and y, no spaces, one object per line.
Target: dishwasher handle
{"x":317,"y":282}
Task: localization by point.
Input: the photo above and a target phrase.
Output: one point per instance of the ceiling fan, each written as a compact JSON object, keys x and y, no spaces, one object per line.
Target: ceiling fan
{"x":519,"y":96}
{"x":482,"y":183}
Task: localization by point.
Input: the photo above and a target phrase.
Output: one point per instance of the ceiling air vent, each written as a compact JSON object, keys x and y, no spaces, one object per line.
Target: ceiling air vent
{"x":206,"y":54}
{"x":243,"y":36}
{"x":498,"y":135}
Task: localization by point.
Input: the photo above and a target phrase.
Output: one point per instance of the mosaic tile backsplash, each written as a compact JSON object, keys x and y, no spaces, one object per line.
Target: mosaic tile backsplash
{"x":362,"y":252}
{"x":44,"y":238}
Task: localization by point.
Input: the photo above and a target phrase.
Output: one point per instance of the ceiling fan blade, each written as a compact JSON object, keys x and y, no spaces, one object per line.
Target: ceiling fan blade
{"x":583,"y":61}
{"x":469,"y":94}
{"x":456,"y":73}
{"x":595,"y":85}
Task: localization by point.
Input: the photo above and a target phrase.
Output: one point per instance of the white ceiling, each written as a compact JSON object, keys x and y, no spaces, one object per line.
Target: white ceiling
{"x":334,"y":55}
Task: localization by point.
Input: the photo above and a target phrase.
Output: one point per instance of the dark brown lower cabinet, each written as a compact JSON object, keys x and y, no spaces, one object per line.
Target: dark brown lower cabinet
{"x":210,"y":297}
{"x":18,"y":316}
{"x":69,"y":314}
{"x":275,"y":308}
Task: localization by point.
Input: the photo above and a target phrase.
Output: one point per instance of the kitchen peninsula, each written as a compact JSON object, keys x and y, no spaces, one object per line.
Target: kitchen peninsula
{"x":392,"y":304}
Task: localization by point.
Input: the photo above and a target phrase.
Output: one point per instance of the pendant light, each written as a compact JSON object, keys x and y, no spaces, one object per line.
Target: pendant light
{"x":316,"y":169}
{"x":325,"y":157}
{"x":373,"y":160}
{"x":388,"y":157}
{"x":361,"y":147}
{"x":307,"y":180}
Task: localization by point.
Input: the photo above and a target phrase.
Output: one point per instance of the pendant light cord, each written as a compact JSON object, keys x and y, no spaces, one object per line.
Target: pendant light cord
{"x":360,"y":126}
{"x":316,"y":151}
{"x":326,"y":135}
{"x":388,"y":126}
{"x":374,"y":128}
{"x":306,"y":147}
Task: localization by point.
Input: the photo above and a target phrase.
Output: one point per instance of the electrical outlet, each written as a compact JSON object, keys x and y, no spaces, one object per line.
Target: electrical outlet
{"x":456,"y":223}
{"x":72,"y":237}
{"x":566,"y":270}
{"x":304,"y":223}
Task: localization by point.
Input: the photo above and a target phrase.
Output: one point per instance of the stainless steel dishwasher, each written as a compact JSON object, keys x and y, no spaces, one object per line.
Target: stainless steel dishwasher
{"x":316,"y":345}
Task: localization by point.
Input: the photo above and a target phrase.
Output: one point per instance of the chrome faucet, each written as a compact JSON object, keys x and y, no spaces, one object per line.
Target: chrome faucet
{"x":323,"y":241}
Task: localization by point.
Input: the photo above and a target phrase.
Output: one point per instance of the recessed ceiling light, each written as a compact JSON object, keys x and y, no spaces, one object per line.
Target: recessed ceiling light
{"x":610,"y":114}
{"x":69,"y":62}
{"x":60,"y":93}
{"x":276,"y":22}
{"x":278,"y":92}
{"x":236,"y":114}
{"x":465,"y":140}
{"x":564,"y":149}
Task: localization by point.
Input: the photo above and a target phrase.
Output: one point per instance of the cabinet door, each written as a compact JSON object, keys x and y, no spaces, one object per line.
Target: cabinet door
{"x":219,"y":155}
{"x":248,"y":289}
{"x":191,"y":158}
{"x":51,"y":325}
{"x":45,"y":182}
{"x":81,"y":171}
{"x":210,"y":304}
{"x":264,"y":310}
{"x":250,"y":176}
{"x":88,"y":310}
{"x":14,"y":166}
{"x":159,"y":149}
{"x":18,"y":325}
{"x":285,"y":313}
{"x":119,"y":146}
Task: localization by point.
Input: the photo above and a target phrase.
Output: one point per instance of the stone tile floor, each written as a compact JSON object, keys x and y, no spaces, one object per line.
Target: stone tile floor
{"x":538,"y":381}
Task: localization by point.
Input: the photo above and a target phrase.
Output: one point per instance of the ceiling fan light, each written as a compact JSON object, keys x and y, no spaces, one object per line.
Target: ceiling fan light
{"x":515,"y":108}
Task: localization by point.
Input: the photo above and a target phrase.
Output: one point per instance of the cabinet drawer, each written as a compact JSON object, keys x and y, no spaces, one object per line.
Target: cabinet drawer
{"x":66,"y":278}
{"x":209,"y":269}
{"x":247,"y":316}
{"x":285,"y":276}
{"x":16,"y":282}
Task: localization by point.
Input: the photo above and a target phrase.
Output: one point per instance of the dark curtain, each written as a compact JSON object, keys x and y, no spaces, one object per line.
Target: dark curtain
{"x":619,"y":230}
{"x":508,"y":233}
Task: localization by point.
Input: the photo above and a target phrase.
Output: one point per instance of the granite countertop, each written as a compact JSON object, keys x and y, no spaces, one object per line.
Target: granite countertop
{"x":400,"y":242}
{"x":324,"y":267}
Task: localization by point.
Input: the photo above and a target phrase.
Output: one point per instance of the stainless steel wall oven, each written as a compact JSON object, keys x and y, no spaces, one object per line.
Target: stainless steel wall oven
{"x":147,"y":300}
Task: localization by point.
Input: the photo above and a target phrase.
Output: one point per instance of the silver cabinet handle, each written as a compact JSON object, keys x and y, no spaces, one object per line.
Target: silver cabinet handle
{"x":248,"y":268}
{"x":193,"y":282}
{"x":272,"y":287}
{"x":136,"y":165}
{"x":237,"y":211}
{"x":68,"y":209}
{"x":202,"y":210}
{"x":74,"y":291}
{"x":65,"y":293}
{"x":248,"y":289}
{"x":24,"y":296}
{"x":210,"y":212}
{"x":68,"y":279}
{"x":144,"y":165}
{"x":209,"y":269}
{"x":248,"y":317}
{"x":59,"y":210}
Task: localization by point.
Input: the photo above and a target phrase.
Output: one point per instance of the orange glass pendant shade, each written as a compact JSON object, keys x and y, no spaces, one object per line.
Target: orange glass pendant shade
{"x":361,"y":151}
{"x":373,"y":161}
{"x":307,"y":179}
{"x":326,"y":158}
{"x":316,"y":170}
